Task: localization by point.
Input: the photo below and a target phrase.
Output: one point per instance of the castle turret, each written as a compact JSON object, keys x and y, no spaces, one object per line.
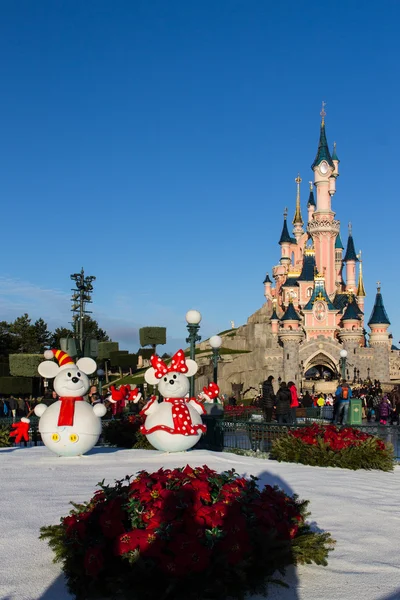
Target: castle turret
{"x":285,"y":241}
{"x":338,"y":258}
{"x":290,"y":335}
{"x":323,"y":227}
{"x":335,"y":160}
{"x":360,"y":289}
{"x":311,"y":202}
{"x":298,"y":219}
{"x":379,"y":339}
{"x":267,"y":288}
{"x":350,"y":258}
{"x":274,"y":320}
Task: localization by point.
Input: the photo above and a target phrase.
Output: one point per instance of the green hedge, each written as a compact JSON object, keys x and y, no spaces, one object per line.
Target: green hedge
{"x":25,"y":365}
{"x":105,"y":348}
{"x":152,"y":336}
{"x":115,"y":357}
{"x":128,"y":361}
{"x":145,"y":353}
{"x":16,"y":385}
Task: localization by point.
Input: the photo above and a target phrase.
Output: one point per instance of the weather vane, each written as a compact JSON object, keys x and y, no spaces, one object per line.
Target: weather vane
{"x":350,"y":228}
{"x":378,"y":283}
{"x":311,"y":185}
{"x":323,"y":113}
{"x":285,"y":212}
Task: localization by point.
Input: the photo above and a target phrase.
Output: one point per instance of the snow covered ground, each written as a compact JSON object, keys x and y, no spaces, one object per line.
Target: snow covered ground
{"x":361,"y":510}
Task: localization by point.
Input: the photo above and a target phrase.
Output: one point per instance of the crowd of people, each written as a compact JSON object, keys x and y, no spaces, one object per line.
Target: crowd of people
{"x":282,"y":405}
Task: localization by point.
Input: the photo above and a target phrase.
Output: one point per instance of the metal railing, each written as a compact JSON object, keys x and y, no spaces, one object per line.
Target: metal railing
{"x":253,"y":434}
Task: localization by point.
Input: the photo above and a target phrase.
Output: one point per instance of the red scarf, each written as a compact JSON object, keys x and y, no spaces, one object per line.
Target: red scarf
{"x":67,"y":410}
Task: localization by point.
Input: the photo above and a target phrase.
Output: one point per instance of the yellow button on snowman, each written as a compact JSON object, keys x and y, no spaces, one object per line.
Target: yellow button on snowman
{"x":70,"y":426}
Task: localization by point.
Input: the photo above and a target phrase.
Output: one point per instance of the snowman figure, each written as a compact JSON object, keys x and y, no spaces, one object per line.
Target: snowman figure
{"x":70,"y":426}
{"x":175,"y":424}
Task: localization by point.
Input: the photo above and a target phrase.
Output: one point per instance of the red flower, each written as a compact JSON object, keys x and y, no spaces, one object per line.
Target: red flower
{"x":94,"y":561}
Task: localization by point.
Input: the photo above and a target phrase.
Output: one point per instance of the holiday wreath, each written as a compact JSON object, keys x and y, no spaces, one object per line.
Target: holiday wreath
{"x":183,"y":534}
{"x":331,"y":446}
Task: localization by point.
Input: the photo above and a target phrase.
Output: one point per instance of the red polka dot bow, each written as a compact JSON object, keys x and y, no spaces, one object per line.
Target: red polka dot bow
{"x":178,"y":364}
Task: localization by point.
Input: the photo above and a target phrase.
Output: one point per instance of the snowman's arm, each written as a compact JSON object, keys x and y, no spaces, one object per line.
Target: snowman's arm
{"x":99,"y":410}
{"x":197,"y":406}
{"x":40,"y":409}
{"x":150,"y":407}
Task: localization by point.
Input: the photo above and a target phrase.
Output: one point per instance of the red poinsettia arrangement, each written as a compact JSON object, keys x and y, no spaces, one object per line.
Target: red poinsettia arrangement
{"x":331,"y":446}
{"x":336,"y":438}
{"x":123,"y":432}
{"x":185,"y":530}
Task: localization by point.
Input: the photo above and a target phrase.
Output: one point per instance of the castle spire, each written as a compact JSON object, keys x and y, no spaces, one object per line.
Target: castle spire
{"x":360,"y":287}
{"x":285,"y":237}
{"x":297,"y":216}
{"x":323,"y":149}
{"x":334,"y":154}
{"x":379,"y":314}
{"x":311,"y":200}
{"x":350,"y":250}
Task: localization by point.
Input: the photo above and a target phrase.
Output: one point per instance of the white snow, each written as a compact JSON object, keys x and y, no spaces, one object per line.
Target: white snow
{"x":360,"y":508}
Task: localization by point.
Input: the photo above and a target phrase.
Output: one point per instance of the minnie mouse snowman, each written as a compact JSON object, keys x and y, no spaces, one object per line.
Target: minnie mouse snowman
{"x":174,"y":425}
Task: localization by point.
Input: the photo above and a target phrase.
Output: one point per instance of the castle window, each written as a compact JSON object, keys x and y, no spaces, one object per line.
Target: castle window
{"x":309,"y":292}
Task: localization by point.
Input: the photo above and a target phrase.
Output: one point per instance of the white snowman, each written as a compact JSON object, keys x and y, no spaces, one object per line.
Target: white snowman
{"x":175,"y":424}
{"x":70,"y":426}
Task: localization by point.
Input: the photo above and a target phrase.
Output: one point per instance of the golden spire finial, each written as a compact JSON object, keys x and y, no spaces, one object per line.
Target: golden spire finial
{"x":323,"y":113}
{"x":360,"y":288}
{"x":298,"y":220}
{"x":311,"y":186}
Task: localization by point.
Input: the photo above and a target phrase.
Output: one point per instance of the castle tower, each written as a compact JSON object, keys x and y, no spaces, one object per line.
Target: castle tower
{"x":379,"y":339}
{"x":285,"y":241}
{"x":350,"y":259}
{"x":311,"y":202}
{"x":323,"y":227}
{"x":351,"y":333}
{"x":298,"y":219}
{"x":361,"y":290}
{"x":290,"y":335}
{"x":339,"y":259}
{"x":267,"y":288}
{"x":274,"y":320}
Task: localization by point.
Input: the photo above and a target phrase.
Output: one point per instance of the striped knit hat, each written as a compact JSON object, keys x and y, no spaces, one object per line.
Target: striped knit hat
{"x":62,"y":357}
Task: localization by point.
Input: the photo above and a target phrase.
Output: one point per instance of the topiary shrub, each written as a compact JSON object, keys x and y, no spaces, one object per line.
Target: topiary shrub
{"x":123,"y":432}
{"x":183,"y":534}
{"x":332,"y":446}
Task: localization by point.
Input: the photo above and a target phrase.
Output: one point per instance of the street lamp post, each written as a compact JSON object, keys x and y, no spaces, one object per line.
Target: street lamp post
{"x":100,"y":375}
{"x":215,"y":343}
{"x":193,"y":318}
{"x":343,"y":357}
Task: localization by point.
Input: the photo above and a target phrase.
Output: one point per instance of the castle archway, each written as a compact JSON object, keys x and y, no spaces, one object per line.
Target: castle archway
{"x":320,"y":367}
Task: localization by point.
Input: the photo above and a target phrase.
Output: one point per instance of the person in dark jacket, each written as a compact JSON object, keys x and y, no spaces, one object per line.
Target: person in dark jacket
{"x":268,"y":398}
{"x":307,"y":401}
{"x":385,"y":409}
{"x":283,"y":400}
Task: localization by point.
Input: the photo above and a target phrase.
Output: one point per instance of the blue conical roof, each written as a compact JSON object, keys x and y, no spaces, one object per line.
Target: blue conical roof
{"x":352,"y":311}
{"x":379,"y":314}
{"x":308,"y":270}
{"x":338,"y":242}
{"x":334,"y":154}
{"x":350,"y":250}
{"x":323,"y":149}
{"x":311,"y":200}
{"x":267,"y":279}
{"x":290,"y":314}
{"x":274,"y":316}
{"x":285,"y":237}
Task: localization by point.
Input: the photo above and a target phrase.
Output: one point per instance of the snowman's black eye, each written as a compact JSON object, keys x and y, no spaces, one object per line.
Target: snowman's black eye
{"x":69,"y":374}
{"x":174,"y":376}
{"x":78,"y":374}
{"x":165,"y":378}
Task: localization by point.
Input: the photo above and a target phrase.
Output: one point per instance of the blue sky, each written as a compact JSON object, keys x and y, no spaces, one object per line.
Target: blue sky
{"x":156,"y":144}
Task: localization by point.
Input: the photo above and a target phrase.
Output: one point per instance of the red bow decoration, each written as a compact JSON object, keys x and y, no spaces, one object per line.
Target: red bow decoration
{"x":134,"y":395}
{"x":67,"y":410}
{"x":211,"y":391}
{"x":178,"y":364}
{"x":21,"y":430}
